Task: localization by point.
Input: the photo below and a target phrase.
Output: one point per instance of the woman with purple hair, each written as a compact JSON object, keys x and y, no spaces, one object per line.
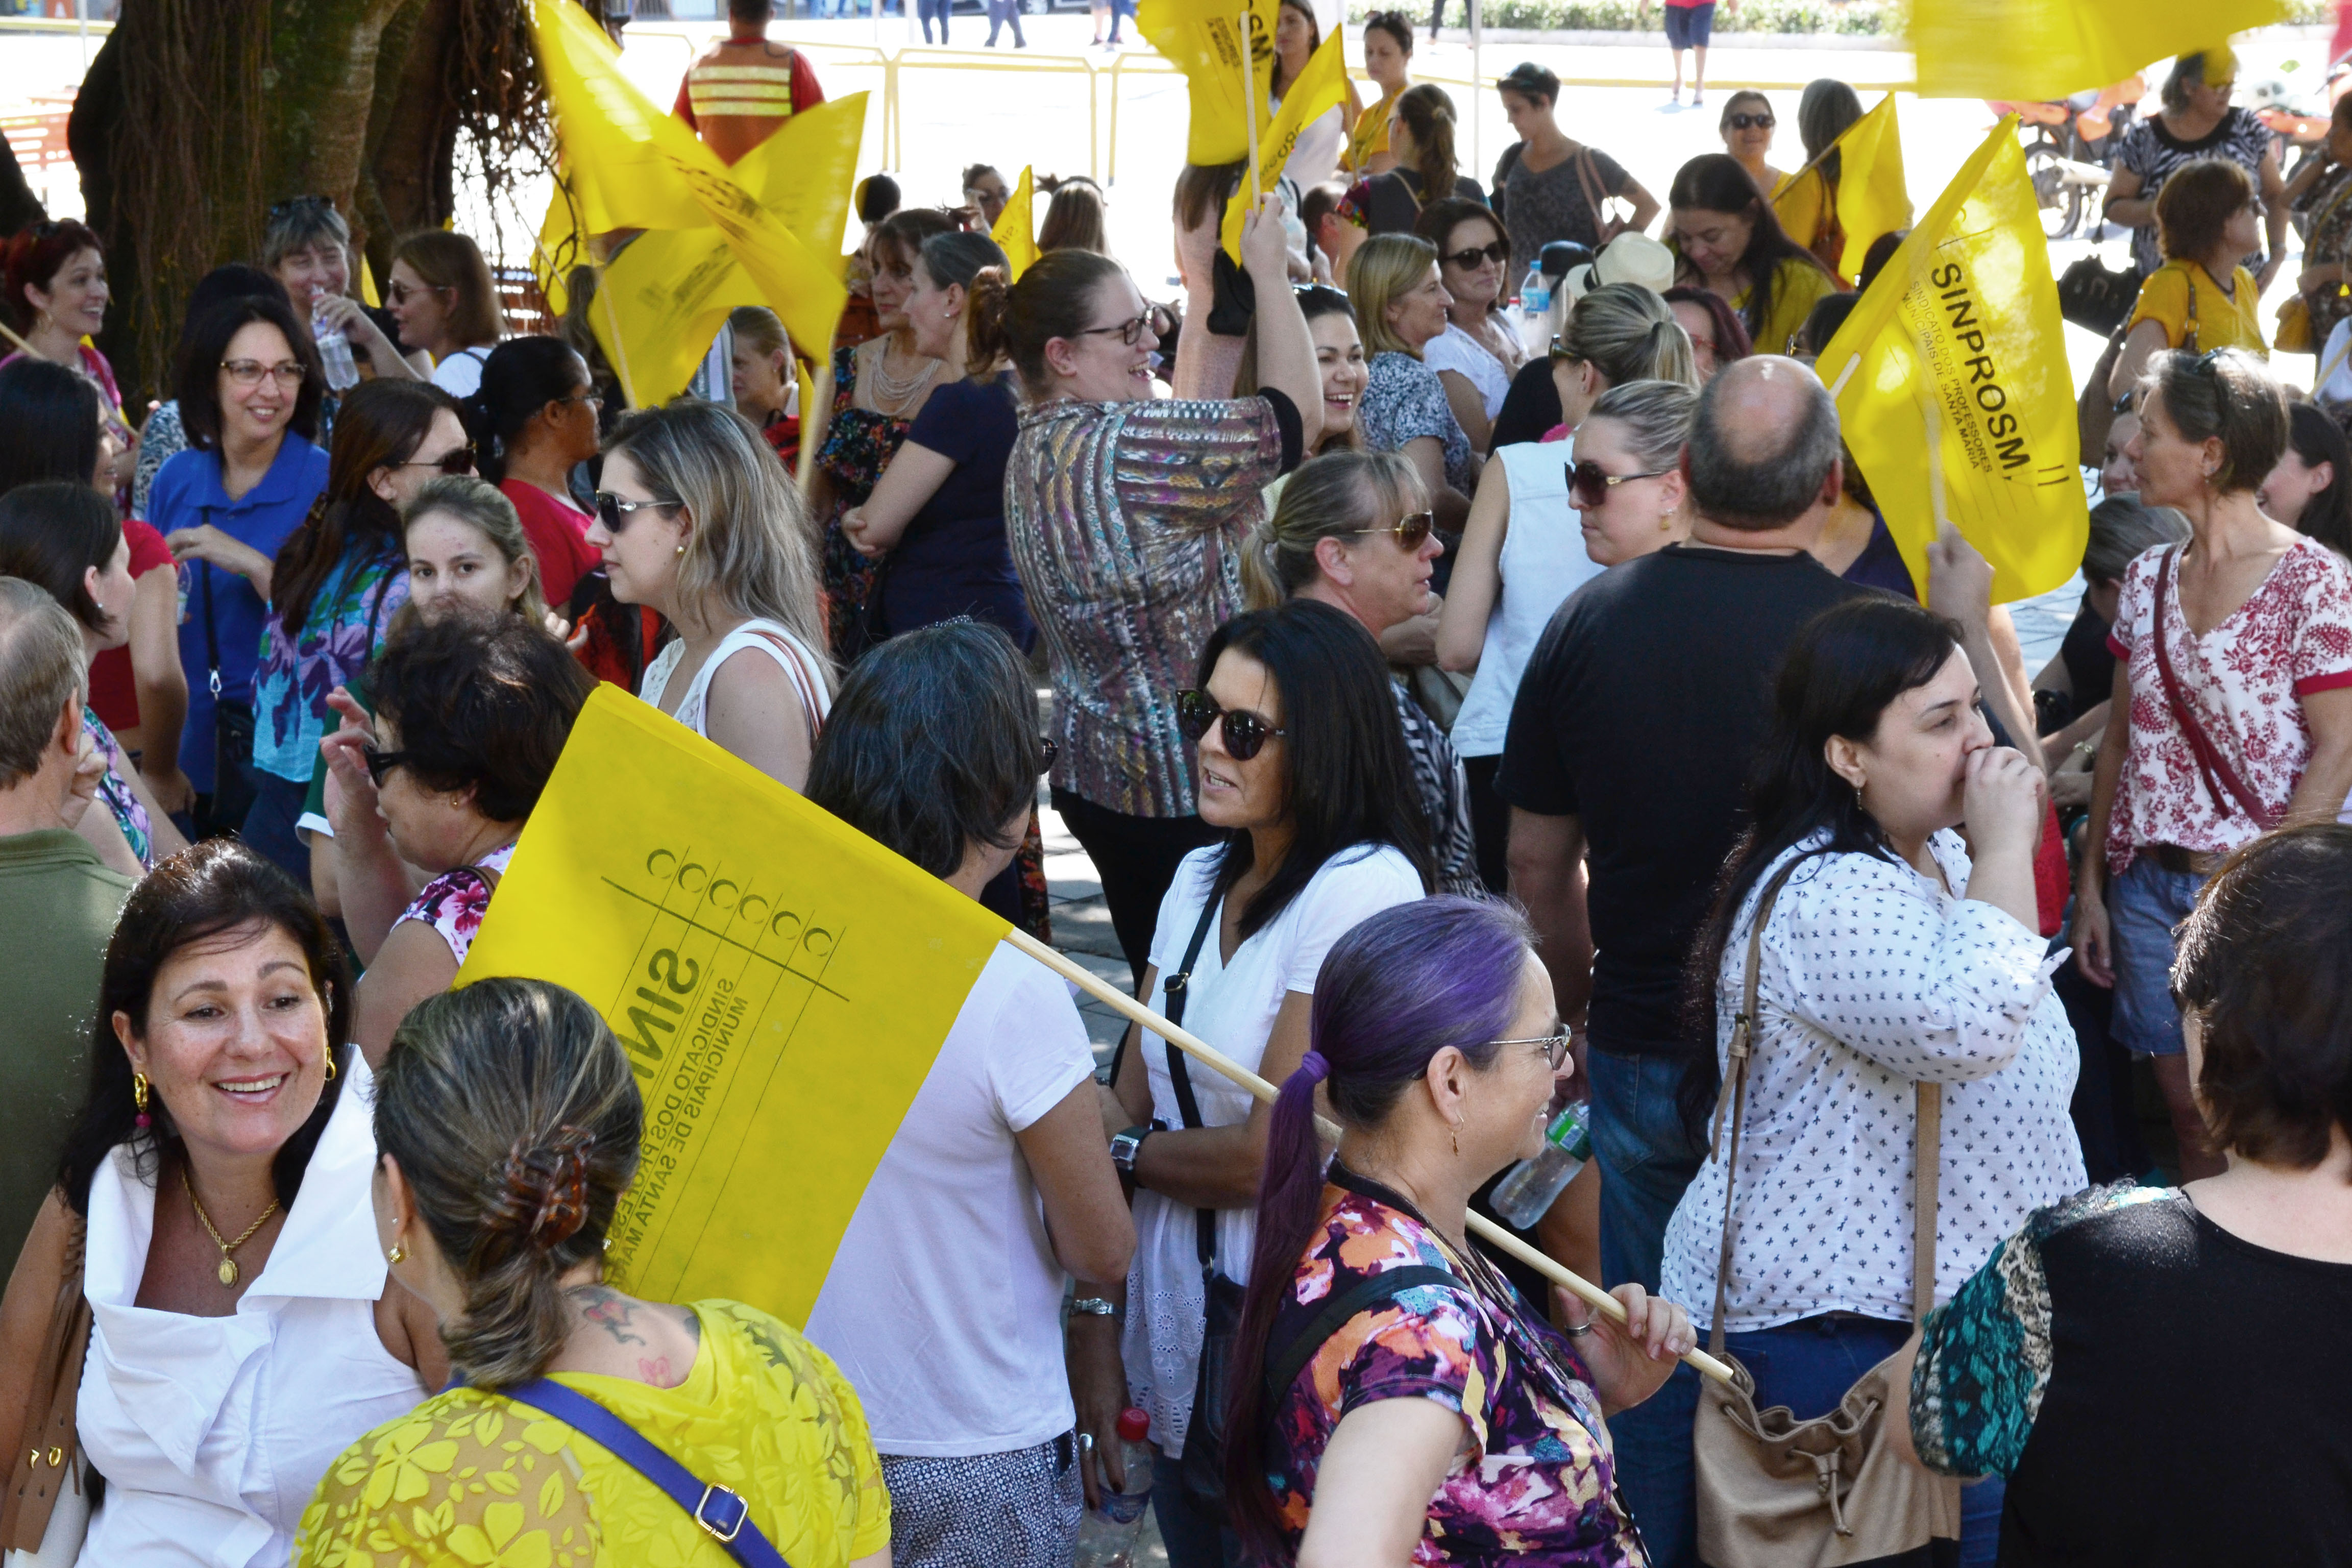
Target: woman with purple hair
{"x":1392,"y":1397}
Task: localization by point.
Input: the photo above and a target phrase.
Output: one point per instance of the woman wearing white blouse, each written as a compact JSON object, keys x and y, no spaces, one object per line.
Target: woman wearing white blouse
{"x":1890,"y":959}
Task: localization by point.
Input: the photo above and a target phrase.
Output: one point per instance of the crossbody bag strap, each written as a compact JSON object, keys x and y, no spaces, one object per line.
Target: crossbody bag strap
{"x":1174,"y":991}
{"x":1927,"y":1176}
{"x":2189,"y":338}
{"x":1742,"y":1047}
{"x":2221,"y":780}
{"x":723,"y":1515}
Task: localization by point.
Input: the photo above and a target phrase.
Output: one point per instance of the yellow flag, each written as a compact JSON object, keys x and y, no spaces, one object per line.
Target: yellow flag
{"x":782,"y":982}
{"x":1204,"y":39}
{"x":807,"y":171}
{"x":2049,"y":48}
{"x":1871,"y":197}
{"x":1322,"y":86}
{"x":557,"y":249}
{"x":661,"y":301}
{"x":1016,"y":226}
{"x":1952,"y":386}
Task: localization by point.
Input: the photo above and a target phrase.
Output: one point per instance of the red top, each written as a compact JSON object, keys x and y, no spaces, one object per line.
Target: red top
{"x":558,"y":533}
{"x":113,"y":694}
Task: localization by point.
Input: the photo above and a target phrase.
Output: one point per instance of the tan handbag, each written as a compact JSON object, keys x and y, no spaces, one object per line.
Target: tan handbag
{"x":1777,"y":1492}
{"x":47,"y":1509}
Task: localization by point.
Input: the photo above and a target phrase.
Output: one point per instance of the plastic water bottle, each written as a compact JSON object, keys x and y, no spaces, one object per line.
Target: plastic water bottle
{"x":334,"y":353}
{"x":1107,"y":1535}
{"x":1528,"y":1193}
{"x":1534,"y":311}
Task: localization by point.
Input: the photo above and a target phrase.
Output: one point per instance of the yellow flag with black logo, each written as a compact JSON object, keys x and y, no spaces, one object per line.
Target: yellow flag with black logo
{"x":1321,"y":86}
{"x":1016,"y":226}
{"x":2049,"y":48}
{"x":1870,"y":200}
{"x":781,"y":982}
{"x":1952,"y":386}
{"x":1205,"y":39}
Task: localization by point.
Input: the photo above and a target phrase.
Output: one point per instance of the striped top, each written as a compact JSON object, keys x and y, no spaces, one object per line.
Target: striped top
{"x":741,"y":89}
{"x":1126,"y":521}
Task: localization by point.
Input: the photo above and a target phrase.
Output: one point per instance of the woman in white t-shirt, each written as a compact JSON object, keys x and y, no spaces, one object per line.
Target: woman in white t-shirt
{"x":1303,"y":764}
{"x":943,"y":1305}
{"x":446,"y":304}
{"x":698,"y":519}
{"x":1479,"y":351}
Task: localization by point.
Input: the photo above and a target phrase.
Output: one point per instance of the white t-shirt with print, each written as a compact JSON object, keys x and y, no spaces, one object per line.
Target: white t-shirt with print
{"x":943,"y":1304}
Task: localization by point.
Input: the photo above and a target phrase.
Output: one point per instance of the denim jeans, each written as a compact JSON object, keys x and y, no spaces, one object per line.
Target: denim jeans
{"x":1192,"y":1529}
{"x":1646,"y":1161}
{"x":2144,"y":907}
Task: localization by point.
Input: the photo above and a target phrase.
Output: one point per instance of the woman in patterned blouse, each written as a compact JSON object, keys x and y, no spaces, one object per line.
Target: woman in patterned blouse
{"x":1442,"y":1420}
{"x":1126,"y":517}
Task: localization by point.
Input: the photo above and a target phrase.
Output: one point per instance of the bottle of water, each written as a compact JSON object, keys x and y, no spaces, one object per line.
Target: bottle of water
{"x":334,"y":353}
{"x":1528,"y":1193}
{"x":1107,"y":1535}
{"x":1534,"y":311}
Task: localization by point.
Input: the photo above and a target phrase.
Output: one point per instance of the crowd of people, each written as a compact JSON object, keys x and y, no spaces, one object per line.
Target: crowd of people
{"x":1470,"y":734}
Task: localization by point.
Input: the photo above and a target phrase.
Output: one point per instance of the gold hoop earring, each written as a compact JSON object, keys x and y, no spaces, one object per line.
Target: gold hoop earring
{"x":139,"y":1100}
{"x":327,"y":1055}
{"x":397,"y":1254}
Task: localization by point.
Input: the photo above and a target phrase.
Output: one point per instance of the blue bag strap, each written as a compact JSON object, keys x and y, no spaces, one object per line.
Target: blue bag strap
{"x":723,"y":1515}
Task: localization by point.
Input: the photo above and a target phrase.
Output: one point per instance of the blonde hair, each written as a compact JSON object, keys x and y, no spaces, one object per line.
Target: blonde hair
{"x":1627,"y":333}
{"x":750,"y":547}
{"x":1336,"y":496}
{"x":481,"y":506}
{"x":1386,"y":265}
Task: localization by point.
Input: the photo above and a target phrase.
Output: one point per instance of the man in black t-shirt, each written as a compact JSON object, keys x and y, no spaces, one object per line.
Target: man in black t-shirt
{"x":1628,"y":752}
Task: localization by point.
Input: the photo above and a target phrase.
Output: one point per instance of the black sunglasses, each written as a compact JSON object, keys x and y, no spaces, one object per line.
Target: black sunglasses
{"x":1589,"y":487}
{"x":455,"y":461}
{"x":1410,"y":531}
{"x":614,"y":513}
{"x":379,"y":764}
{"x":297,"y":204}
{"x":1742,"y":121}
{"x":1245,"y":734}
{"x":1467,"y":259}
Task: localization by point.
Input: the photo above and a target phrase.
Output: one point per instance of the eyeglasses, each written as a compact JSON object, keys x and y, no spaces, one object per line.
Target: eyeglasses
{"x":1130,"y":332}
{"x":614,"y":513}
{"x":1245,"y":734}
{"x":249,"y":371}
{"x":455,"y":461}
{"x":1410,"y":531}
{"x":379,"y":764}
{"x":401,"y":293}
{"x":1743,"y":121}
{"x":1555,"y":1047}
{"x":1589,"y":487}
{"x":1470,"y":258}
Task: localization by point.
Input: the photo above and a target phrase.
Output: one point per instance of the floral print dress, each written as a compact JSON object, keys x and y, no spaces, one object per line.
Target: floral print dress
{"x":1535,"y":1481}
{"x":114,"y":790}
{"x":858,"y":445}
{"x":455,"y":902}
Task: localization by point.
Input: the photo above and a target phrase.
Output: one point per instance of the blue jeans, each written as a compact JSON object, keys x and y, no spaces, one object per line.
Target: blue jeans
{"x":1646,"y":1161}
{"x":2144,"y":907}
{"x":1192,"y":1529}
{"x":927,"y":9}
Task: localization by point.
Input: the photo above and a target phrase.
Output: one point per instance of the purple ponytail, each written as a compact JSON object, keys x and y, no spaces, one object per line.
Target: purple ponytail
{"x":1393,"y":993}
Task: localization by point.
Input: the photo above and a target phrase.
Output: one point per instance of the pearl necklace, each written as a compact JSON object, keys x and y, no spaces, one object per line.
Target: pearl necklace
{"x":895,"y":394}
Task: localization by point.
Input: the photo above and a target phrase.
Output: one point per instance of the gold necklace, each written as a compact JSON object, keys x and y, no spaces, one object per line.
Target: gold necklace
{"x":228,"y":1270}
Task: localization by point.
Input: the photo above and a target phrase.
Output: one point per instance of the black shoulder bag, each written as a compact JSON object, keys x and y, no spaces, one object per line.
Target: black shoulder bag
{"x":234,"y":785}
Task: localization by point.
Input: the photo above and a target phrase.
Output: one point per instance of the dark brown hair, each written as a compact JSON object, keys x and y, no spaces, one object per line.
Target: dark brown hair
{"x":902,"y":234}
{"x":1428,"y":116}
{"x":2226,"y":395}
{"x":483,"y":702}
{"x":448,"y":260}
{"x":2265,"y":963}
{"x":33,"y":257}
{"x":196,"y":381}
{"x":52,"y":534}
{"x":380,"y":426}
{"x":1054,"y":298}
{"x":2195,"y":205}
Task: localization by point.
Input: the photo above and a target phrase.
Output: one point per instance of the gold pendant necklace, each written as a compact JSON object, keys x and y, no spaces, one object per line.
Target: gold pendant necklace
{"x":227,"y":1271}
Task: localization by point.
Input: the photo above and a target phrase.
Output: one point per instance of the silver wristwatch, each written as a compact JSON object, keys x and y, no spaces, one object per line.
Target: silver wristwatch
{"x":1123,"y":1147}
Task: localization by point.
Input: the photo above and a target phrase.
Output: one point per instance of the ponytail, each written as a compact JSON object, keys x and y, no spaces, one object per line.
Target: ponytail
{"x":1627,"y":333}
{"x":1054,"y":298}
{"x":519,"y":378}
{"x":1428,"y":116}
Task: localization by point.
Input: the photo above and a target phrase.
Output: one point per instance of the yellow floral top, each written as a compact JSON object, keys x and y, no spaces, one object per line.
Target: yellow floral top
{"x":470,"y":1478}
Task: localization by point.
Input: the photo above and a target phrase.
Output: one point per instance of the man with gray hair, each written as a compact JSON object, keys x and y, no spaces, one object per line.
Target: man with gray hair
{"x":1626,"y":762}
{"x":58,"y":900}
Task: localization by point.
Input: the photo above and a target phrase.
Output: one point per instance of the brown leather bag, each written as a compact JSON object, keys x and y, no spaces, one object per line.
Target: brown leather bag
{"x":1777,"y":1492}
{"x":48,"y":1459}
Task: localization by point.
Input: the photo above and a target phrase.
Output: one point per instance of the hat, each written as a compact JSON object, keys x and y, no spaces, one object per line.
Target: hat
{"x":1530,"y":81}
{"x":1631,"y":257}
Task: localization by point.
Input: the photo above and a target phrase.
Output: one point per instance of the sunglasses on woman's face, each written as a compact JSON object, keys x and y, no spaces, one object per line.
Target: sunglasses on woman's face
{"x":614,"y":513}
{"x":1410,"y":531}
{"x":1468,"y":260}
{"x":380,"y":764}
{"x":1245,"y":734}
{"x":1589,"y":485}
{"x":1744,"y":122}
{"x":456,"y":461}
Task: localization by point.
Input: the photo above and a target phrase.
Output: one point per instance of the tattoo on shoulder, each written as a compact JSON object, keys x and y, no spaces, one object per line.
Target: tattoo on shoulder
{"x":609,"y":1310}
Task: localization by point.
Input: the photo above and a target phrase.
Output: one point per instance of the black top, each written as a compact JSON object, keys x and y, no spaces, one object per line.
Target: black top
{"x":1639,"y":712}
{"x":2198,"y":1411}
{"x":2090,"y":662}
{"x":953,"y":560}
{"x":1393,"y":199}
{"x":1530,"y":408}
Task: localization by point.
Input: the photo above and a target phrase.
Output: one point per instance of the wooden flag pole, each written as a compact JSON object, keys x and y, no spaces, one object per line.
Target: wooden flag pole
{"x":1486,"y":1231}
{"x":1249,"y":101}
{"x":815,"y":423}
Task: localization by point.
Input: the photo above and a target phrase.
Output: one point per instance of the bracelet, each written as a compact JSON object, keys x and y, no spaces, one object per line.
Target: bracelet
{"x":1095,"y":1307}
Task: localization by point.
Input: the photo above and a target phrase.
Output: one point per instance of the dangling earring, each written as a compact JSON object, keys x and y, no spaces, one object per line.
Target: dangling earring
{"x":326,"y":1055}
{"x":1457,"y":1139}
{"x":1666,"y":523}
{"x":398,"y":1254}
{"x":138,"y":1099}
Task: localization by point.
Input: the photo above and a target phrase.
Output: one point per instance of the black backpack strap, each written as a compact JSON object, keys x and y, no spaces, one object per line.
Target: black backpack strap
{"x":1283,"y":1365}
{"x":1173,"y":990}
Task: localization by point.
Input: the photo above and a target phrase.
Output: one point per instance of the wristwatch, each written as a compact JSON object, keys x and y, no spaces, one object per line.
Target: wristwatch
{"x":1095,"y":1307}
{"x":1123,"y":1148}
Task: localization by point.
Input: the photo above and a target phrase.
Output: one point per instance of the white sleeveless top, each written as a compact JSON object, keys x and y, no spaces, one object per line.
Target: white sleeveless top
{"x":800,"y":666}
{"x":1543,"y":562}
{"x":211,"y":1433}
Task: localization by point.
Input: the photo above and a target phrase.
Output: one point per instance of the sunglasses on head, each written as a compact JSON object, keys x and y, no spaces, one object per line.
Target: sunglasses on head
{"x":1743,"y":121}
{"x":1245,"y":734}
{"x":1467,"y":259}
{"x":457,"y":460}
{"x":1589,"y":485}
{"x":1410,"y":531}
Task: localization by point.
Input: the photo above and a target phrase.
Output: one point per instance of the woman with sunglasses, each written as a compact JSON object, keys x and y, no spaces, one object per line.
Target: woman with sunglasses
{"x":1619,"y":332}
{"x":1124,"y":545}
{"x":1306,"y":778}
{"x":471,"y":713}
{"x":338,"y":580}
{"x":1353,"y":530}
{"x":1747,"y":131}
{"x":534,"y":420}
{"x":1479,"y":351}
{"x":440,"y":292}
{"x":1522,"y":556}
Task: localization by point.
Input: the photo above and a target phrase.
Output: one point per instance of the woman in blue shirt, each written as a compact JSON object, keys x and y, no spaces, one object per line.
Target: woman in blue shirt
{"x":248,"y":385}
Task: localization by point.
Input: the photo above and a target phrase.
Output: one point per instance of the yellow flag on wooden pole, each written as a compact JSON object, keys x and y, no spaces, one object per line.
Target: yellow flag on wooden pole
{"x":1952,"y":386}
{"x":1321,"y":86}
{"x":1870,"y":198}
{"x":1204,"y":39}
{"x":2049,"y":48}
{"x":1016,"y":226}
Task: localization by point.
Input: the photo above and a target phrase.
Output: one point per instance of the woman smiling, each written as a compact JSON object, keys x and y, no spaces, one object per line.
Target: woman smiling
{"x":1478,"y":352}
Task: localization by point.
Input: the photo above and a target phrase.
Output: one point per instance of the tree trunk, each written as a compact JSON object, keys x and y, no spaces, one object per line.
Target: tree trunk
{"x":19,"y":208}
{"x":405,"y":185}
